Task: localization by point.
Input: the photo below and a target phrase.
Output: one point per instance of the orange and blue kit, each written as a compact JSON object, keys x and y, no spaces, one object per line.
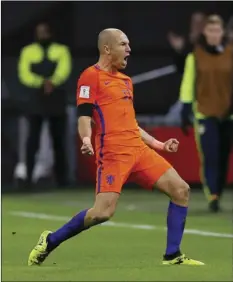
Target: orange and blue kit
{"x":121,"y":154}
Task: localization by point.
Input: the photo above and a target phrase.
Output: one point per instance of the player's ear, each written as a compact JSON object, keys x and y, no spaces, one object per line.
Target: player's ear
{"x":106,"y":49}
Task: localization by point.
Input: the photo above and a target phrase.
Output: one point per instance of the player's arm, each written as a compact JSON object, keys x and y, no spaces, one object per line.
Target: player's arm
{"x":84,"y":129}
{"x":86,"y":96}
{"x":169,"y":146}
{"x":150,"y":140}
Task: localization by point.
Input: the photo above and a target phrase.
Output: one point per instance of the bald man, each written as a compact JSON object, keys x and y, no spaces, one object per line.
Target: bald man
{"x":123,"y":151}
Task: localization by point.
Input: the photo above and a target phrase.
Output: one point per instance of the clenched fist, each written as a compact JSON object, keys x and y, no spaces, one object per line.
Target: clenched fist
{"x":87,"y":148}
{"x":171,"y":145}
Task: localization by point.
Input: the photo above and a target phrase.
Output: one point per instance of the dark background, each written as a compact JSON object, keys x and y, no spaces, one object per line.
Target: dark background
{"x":77,"y":24}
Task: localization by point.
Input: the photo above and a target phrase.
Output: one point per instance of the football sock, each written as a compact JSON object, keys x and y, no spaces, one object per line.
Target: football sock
{"x":73,"y":227}
{"x":175,"y":228}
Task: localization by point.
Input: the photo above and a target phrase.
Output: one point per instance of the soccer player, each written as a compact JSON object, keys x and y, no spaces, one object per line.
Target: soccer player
{"x":122,"y":150}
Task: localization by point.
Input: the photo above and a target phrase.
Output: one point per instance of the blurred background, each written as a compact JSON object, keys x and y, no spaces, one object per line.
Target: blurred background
{"x":45,"y":180}
{"x":159,"y":33}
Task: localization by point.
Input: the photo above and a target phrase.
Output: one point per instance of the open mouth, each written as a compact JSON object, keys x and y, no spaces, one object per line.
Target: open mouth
{"x":126,"y":58}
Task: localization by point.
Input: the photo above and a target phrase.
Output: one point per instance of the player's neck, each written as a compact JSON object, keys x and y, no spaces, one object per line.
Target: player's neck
{"x":105,"y":65}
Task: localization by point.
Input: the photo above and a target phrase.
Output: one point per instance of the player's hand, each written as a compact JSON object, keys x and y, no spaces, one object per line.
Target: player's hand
{"x":87,"y":148}
{"x":177,"y":42}
{"x":48,"y":87}
{"x":171,"y":145}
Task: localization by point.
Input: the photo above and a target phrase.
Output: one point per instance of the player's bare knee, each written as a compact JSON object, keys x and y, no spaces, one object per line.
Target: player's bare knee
{"x":182,"y":192}
{"x":186,"y":190}
{"x":102,"y":216}
{"x":105,"y":206}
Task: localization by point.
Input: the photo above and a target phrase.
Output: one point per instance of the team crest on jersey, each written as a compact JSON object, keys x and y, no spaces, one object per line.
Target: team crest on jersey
{"x":110,"y":179}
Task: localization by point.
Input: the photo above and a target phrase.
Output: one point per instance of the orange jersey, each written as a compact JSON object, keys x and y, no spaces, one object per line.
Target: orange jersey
{"x":114,"y":115}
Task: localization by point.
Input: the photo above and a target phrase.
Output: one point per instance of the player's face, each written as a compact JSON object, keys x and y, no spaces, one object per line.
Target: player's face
{"x":120,"y":51}
{"x":213,"y":34}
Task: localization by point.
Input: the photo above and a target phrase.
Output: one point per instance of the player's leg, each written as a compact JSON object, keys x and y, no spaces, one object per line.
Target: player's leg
{"x":102,"y":211}
{"x":153,"y":171}
{"x":108,"y":190}
{"x":206,"y":130}
{"x":110,"y":177}
{"x":226,"y":142}
{"x":178,"y":191}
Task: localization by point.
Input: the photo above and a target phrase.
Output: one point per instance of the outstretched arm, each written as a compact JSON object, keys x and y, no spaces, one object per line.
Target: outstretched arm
{"x":169,"y":146}
{"x":150,"y":140}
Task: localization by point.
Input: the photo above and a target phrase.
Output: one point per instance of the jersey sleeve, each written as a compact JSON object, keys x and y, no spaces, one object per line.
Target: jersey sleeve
{"x":87,"y":88}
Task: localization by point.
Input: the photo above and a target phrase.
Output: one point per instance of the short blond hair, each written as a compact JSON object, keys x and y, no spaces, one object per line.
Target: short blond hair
{"x":215,"y":19}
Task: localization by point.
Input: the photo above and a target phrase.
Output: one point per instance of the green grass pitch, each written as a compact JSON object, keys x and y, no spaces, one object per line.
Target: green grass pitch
{"x":129,"y":249}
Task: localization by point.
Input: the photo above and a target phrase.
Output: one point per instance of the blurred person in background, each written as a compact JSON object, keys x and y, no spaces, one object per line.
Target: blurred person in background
{"x":44,"y":157}
{"x":44,"y":67}
{"x":182,"y":46}
{"x":9,"y":115}
{"x":229,"y":31}
{"x":207,"y":89}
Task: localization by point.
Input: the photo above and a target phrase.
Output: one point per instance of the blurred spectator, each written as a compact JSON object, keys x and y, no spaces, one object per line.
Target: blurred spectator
{"x":44,"y":67}
{"x":8,"y":136}
{"x":207,"y":87}
{"x":4,"y":91}
{"x":71,"y":143}
{"x":229,"y":30}
{"x":44,"y":157}
{"x":182,"y":46}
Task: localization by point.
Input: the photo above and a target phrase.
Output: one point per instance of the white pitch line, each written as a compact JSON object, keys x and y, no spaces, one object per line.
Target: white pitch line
{"x":120,"y":224}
